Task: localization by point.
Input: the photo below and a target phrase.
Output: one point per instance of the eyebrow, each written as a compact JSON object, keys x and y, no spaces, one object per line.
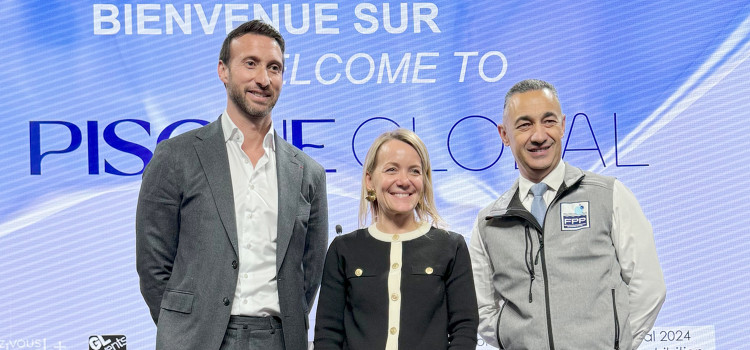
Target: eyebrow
{"x":528,"y":118}
{"x":402,"y":166}
{"x":256,"y":59}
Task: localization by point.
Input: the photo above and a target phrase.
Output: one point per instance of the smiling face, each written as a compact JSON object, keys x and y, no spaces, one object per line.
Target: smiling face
{"x":397,"y":179}
{"x":533,"y":126}
{"x":252,"y":76}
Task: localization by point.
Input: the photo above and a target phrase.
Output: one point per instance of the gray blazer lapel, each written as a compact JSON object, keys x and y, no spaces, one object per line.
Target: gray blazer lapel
{"x":212,"y":153}
{"x":289,"y":174}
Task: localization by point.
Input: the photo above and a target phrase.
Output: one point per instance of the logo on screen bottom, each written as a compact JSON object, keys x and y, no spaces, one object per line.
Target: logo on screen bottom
{"x":107,"y":342}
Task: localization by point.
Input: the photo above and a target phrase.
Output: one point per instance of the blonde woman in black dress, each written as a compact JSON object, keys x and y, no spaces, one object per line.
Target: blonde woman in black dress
{"x":401,"y":282}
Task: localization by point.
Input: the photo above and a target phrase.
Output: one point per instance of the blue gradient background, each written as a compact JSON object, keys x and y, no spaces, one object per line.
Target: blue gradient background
{"x":675,"y":74}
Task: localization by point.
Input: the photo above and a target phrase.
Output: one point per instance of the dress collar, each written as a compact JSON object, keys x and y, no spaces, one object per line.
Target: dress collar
{"x":401,"y":237}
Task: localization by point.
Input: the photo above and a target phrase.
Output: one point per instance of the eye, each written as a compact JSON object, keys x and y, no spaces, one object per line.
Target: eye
{"x":250,"y":63}
{"x":416,"y":171}
{"x":390,"y":169}
{"x":523,"y":126}
{"x":550,"y":122}
{"x":275,"y":68}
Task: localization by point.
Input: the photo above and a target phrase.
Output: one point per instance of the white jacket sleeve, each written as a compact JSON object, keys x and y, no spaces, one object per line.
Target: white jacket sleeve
{"x":487,"y":299}
{"x":633,"y":239}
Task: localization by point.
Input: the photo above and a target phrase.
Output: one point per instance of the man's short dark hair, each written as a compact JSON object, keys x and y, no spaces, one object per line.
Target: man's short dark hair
{"x":255,"y":26}
{"x":529,"y":85}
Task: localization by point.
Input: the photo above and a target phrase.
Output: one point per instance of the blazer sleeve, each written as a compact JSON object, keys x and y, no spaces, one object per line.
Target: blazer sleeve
{"x":329,"y":321}
{"x":157,"y":227}
{"x":463,"y":318}
{"x":316,"y":240}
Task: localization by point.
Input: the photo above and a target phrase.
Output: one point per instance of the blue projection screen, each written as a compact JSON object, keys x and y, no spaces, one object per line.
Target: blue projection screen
{"x":655,"y":94}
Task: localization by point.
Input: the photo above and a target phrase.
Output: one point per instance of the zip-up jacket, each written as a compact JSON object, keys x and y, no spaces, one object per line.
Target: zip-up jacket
{"x":557,"y":284}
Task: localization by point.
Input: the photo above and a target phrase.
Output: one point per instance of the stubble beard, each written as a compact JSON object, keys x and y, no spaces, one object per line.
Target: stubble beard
{"x":238,"y":97}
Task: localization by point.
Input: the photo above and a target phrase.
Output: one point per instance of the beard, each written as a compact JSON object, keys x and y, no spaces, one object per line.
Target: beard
{"x":238,"y":97}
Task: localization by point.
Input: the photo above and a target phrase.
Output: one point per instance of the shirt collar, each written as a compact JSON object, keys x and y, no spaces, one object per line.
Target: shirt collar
{"x":233,"y":133}
{"x":553,"y":180}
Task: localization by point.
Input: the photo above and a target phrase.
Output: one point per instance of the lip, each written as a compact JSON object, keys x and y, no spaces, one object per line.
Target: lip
{"x":259,"y":95}
{"x":539,"y":151}
{"x":400,"y":194}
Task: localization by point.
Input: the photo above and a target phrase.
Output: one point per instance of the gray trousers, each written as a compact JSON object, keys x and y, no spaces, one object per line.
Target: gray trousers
{"x":250,"y":333}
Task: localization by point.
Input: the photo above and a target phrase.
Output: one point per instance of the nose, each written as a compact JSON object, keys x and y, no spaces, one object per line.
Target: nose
{"x":539,"y":135}
{"x":262,"y":78}
{"x":402,"y":179}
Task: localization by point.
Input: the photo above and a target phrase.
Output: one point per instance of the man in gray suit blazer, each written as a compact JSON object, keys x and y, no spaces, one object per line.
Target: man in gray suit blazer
{"x":231,"y":225}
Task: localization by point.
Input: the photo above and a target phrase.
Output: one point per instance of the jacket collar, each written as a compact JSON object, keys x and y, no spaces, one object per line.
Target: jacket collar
{"x":510,"y":200}
{"x":212,"y":154}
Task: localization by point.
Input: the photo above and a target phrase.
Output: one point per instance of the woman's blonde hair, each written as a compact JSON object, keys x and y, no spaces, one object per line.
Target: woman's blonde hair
{"x":426,"y":206}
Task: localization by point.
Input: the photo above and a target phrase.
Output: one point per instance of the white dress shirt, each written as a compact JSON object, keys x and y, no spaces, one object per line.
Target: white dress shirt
{"x":553,"y":180}
{"x":632,"y":237}
{"x":256,"y":208}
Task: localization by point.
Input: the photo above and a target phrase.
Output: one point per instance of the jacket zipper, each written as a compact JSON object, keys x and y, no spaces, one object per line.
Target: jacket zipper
{"x":497,"y":327}
{"x":617,"y":322}
{"x":561,"y":191}
{"x":529,"y":259}
{"x":523,"y":214}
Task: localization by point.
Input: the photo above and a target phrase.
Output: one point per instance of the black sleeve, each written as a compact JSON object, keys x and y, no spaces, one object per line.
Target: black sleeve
{"x":463,"y":316}
{"x":329,"y":320}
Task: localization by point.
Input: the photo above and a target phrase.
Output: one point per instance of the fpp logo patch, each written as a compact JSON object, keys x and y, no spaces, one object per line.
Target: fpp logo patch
{"x":107,"y":342}
{"x":574,"y":216}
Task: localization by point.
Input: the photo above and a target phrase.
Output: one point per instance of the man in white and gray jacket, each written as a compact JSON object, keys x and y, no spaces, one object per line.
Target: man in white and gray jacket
{"x":565,"y":259}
